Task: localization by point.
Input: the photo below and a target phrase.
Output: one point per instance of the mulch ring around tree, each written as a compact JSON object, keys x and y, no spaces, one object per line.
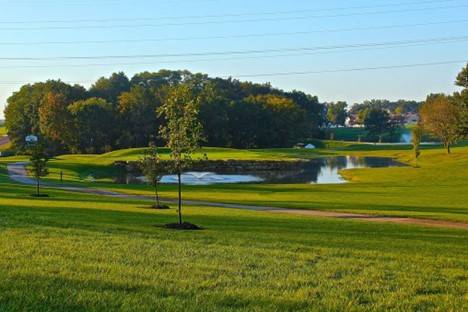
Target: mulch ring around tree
{"x":186,"y":226}
{"x":40,"y":195}
{"x":161,"y":207}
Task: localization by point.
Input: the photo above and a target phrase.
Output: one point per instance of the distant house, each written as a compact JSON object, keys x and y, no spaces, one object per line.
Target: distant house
{"x":310,"y":146}
{"x":353,"y":121}
{"x":299,"y":145}
{"x":411,"y":118}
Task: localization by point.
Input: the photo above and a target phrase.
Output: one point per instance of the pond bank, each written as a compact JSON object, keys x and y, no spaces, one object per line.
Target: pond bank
{"x":220,"y":166}
{"x":323,"y":170}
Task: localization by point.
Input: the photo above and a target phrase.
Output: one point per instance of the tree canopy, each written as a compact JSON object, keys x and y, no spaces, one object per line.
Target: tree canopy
{"x":393,"y":107}
{"x":118,"y":112}
{"x":462,"y":78}
{"x":377,"y":121}
{"x":440,"y":117}
{"x":336,"y":113}
{"x":460,"y":99}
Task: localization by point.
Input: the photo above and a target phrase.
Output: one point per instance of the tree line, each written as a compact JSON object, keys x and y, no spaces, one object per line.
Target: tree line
{"x":118,"y":112}
{"x":381,"y":118}
{"x":443,"y":116}
{"x":338,"y":112}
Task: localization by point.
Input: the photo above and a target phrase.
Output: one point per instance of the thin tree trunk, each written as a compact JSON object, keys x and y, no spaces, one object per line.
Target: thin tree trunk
{"x":156,"y":193}
{"x":448,"y":148}
{"x":180,"y":195}
{"x":155,"y":196}
{"x":37,"y":187}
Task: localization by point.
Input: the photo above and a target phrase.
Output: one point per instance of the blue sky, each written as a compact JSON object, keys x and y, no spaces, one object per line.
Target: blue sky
{"x":32,"y":28}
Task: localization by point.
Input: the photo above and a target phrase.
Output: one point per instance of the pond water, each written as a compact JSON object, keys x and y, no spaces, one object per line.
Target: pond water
{"x":315,"y":171}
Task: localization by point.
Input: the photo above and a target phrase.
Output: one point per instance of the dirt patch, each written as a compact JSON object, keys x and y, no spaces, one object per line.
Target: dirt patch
{"x":374,"y":218}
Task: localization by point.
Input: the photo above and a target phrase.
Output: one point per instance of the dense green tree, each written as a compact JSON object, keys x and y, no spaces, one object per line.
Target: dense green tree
{"x":159,"y":79}
{"x":336,"y":113}
{"x":315,"y":116}
{"x":110,"y":88}
{"x":214,"y":116}
{"x":93,"y":130}
{"x":462,"y":78}
{"x":182,"y":130}
{"x":377,"y":121}
{"x":266,"y":121}
{"x":22,"y":111}
{"x":398,"y":107}
{"x":440,"y":117}
{"x":281,"y":121}
{"x":55,"y":120}
{"x":245,"y":124}
{"x":460,"y":99}
{"x":137,"y":114}
{"x":233,"y":113}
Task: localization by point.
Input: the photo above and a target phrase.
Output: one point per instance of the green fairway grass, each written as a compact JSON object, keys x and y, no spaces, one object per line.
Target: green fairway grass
{"x":76,"y":252}
{"x":436,"y":189}
{"x":349,"y":134}
{"x":2,"y":130}
{"x":353,"y":134}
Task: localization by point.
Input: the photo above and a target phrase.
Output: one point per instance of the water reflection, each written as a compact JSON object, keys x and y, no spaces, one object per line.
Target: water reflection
{"x":207,"y":178}
{"x":317,"y":171}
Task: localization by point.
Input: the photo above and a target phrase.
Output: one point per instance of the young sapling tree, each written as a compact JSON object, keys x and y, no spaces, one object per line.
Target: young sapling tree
{"x":182,"y":131}
{"x":38,"y":160}
{"x":153,"y":168}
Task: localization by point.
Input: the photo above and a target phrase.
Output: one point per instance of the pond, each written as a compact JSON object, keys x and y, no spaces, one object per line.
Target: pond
{"x":316,"y":171}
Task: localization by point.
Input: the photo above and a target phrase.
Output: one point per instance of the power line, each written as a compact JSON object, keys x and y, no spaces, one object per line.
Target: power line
{"x":274,"y":19}
{"x":347,"y":70}
{"x":258,"y":35}
{"x":237,"y":52}
{"x":218,"y":59}
{"x":297,"y":73}
{"x":120,"y":19}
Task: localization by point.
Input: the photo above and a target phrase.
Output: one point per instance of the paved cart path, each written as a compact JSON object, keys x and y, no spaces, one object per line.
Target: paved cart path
{"x":17,"y":173}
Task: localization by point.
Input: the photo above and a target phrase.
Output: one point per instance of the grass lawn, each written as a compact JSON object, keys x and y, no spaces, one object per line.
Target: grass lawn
{"x":438,"y":189}
{"x":353,"y":134}
{"x":348,"y":134}
{"x":83,"y":253}
{"x":2,"y":130}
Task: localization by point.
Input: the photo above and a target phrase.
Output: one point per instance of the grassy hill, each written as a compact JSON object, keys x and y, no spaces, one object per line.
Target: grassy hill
{"x":435,"y":189}
{"x":88,"y":253}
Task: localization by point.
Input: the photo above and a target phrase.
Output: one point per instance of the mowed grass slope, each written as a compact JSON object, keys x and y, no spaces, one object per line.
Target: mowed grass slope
{"x":437,"y":188}
{"x":78,"y":252}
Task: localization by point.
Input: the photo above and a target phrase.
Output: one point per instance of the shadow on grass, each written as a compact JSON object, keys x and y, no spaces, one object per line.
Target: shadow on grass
{"x":228,"y":227}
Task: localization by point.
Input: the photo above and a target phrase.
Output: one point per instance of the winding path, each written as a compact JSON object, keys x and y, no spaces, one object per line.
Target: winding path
{"x":17,"y":173}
